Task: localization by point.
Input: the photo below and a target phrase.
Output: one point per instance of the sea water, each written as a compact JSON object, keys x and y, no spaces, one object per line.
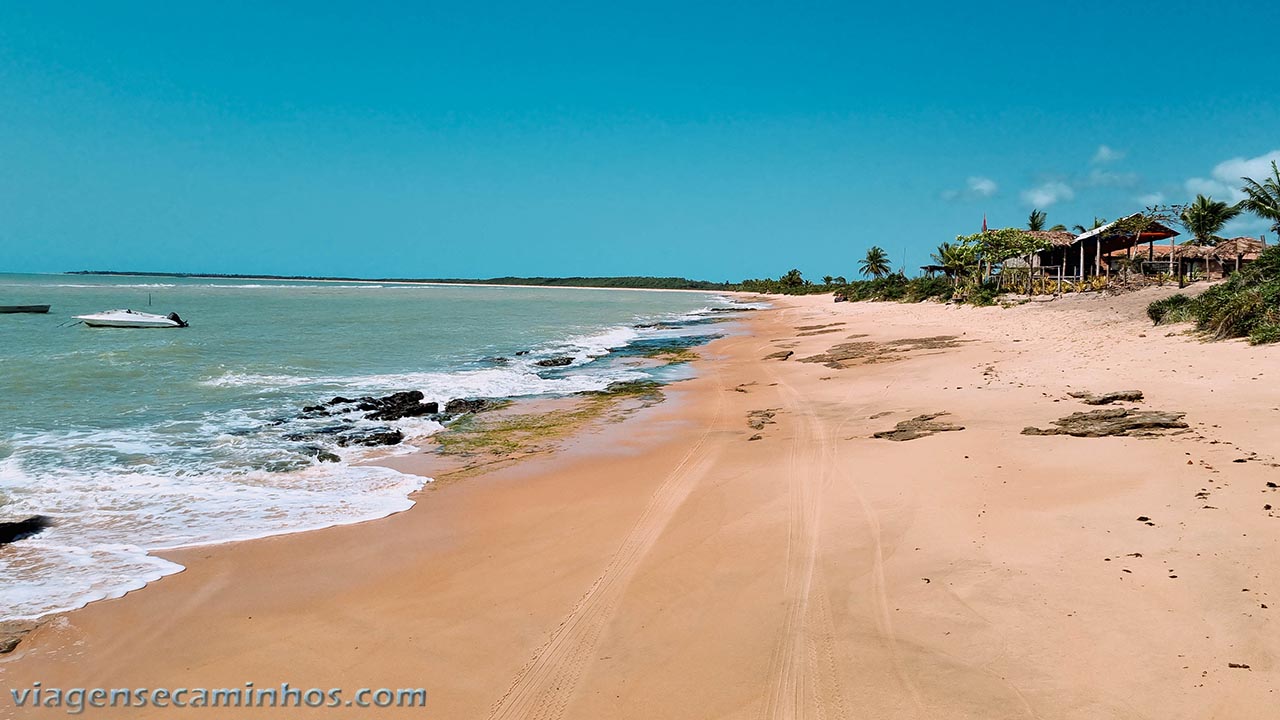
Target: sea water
{"x":134,"y":440}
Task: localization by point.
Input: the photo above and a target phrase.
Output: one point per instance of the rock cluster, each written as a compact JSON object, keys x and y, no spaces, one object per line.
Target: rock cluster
{"x":1112,"y":421}
{"x":918,"y":427}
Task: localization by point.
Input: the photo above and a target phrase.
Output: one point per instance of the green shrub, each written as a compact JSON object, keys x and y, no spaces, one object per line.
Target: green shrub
{"x":1265,"y":332}
{"x":1174,"y":308}
{"x":1246,"y":305}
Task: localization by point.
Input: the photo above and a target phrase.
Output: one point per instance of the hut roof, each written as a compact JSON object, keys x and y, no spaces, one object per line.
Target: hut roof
{"x":1246,"y":247}
{"x":1056,"y":238}
{"x":1153,"y":231}
{"x":1161,"y":251}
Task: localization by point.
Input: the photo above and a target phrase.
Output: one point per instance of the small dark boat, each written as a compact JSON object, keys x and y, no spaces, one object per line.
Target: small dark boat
{"x":24,"y":309}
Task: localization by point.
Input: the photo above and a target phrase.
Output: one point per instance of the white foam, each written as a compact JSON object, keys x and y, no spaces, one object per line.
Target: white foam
{"x":117,"y":495}
{"x":107,"y":523}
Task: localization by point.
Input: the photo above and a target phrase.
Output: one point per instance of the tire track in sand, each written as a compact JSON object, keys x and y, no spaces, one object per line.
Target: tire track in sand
{"x":803,"y":671}
{"x":543,"y":688}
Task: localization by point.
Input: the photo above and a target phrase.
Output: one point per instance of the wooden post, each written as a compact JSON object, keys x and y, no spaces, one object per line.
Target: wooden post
{"x":1097,"y":257}
{"x":1082,"y":261}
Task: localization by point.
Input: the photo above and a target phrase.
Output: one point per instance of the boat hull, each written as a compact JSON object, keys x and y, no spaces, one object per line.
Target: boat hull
{"x":120,"y":324}
{"x":129,"y":319}
{"x":35,"y":309}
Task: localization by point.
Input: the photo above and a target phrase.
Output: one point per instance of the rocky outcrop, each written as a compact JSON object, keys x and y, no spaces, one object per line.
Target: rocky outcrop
{"x":371,"y":437}
{"x":398,"y":405}
{"x":459,"y":406}
{"x":1112,"y":421}
{"x":554,"y":362}
{"x":13,"y":531}
{"x":918,"y":427}
{"x":1107,"y":398}
{"x":780,"y":355}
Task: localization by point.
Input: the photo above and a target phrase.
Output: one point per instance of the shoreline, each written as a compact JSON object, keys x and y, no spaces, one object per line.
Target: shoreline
{"x":670,"y":565}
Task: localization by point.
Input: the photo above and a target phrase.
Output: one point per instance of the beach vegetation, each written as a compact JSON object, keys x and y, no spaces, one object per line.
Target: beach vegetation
{"x":875,"y":264}
{"x":1204,"y":219}
{"x":1263,"y":198}
{"x":1097,"y":223}
{"x":1246,"y":305}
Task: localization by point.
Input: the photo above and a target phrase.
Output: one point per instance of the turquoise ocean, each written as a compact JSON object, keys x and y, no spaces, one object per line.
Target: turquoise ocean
{"x":135,"y":440}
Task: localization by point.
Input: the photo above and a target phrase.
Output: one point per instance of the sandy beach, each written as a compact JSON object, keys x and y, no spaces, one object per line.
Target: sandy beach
{"x":748,"y":549}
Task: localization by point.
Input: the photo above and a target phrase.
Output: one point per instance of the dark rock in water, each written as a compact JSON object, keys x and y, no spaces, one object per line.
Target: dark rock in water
{"x":1089,"y":398}
{"x":320,"y":453}
{"x":398,"y":405}
{"x":496,"y":360}
{"x":918,"y":427}
{"x":13,"y":531}
{"x":1112,"y":421}
{"x":313,"y":433}
{"x":372,"y":437}
{"x":459,"y":406}
{"x":731,"y":309}
{"x":339,"y":400}
{"x":522,"y":353}
{"x":554,"y":362}
{"x":656,"y":347}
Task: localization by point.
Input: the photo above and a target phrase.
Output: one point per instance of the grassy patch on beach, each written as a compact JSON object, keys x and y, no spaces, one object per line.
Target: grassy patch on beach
{"x":484,"y":441}
{"x":1246,"y":305}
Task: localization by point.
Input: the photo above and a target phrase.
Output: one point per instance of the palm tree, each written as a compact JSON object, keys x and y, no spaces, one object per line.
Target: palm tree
{"x":875,"y":264}
{"x":1058,"y":228}
{"x":1035,"y":221}
{"x":1263,"y":199}
{"x":1205,"y":217}
{"x":826,"y":279}
{"x":952,"y":260}
{"x":1097,"y":223}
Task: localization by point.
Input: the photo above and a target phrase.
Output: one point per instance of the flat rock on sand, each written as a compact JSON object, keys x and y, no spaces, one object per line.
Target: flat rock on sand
{"x":1112,"y":421}
{"x":1107,"y":398}
{"x":868,"y":352}
{"x":918,"y":427}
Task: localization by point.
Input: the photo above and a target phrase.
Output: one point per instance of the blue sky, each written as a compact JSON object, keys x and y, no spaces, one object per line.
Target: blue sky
{"x":718,"y":141}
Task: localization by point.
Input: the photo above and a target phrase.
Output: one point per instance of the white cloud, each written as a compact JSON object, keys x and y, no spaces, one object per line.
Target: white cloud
{"x":976,"y":188}
{"x":1212,"y":188}
{"x":1106,"y":154}
{"x":1155,"y":198}
{"x":1225,"y":181}
{"x":1104,"y":178}
{"x":982,"y":187}
{"x":1042,"y":196}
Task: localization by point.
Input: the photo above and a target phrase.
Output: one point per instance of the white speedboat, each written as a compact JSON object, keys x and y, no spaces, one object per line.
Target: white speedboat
{"x":132,"y":319}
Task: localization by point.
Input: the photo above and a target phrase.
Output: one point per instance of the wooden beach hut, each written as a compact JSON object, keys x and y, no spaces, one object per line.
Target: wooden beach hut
{"x":1083,"y":255}
{"x":1219,"y":260}
{"x":1233,"y":254}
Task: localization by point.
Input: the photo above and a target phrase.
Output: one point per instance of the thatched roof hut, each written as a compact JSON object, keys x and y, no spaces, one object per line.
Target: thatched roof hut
{"x":1081,"y":255}
{"x":1245,"y":248}
{"x":1055,"y":238}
